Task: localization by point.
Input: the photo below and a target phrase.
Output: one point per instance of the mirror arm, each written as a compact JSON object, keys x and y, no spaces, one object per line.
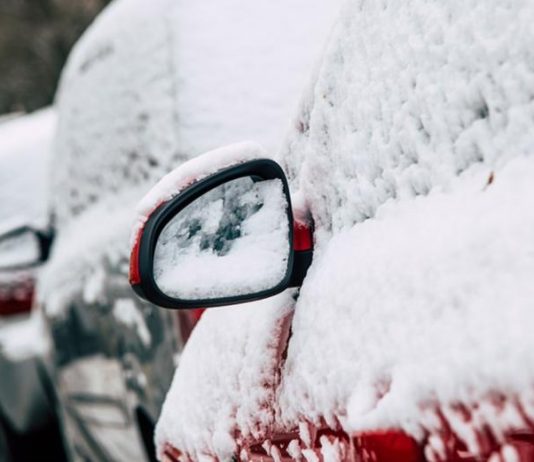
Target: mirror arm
{"x":303,"y":252}
{"x":45,"y":243}
{"x":301,"y":262}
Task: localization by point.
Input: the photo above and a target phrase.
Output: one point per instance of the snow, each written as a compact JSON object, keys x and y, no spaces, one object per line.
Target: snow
{"x":137,"y":98}
{"x":24,"y":337}
{"x":241,"y":66}
{"x":410,"y":94}
{"x":125,"y":312}
{"x":103,"y":231}
{"x":152,"y":84}
{"x":192,"y":171}
{"x":19,"y":249}
{"x":116,"y":107}
{"x":232,"y":241}
{"x":25,"y":148}
{"x":427,"y":301}
{"x":412,"y":150}
{"x":230,"y":351}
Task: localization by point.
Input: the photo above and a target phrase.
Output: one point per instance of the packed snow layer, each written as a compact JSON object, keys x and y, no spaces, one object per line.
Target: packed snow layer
{"x":415,"y":298}
{"x":25,"y":149}
{"x":116,"y":107}
{"x":125,"y":311}
{"x":241,"y":65}
{"x":215,"y":397}
{"x":233,"y":240}
{"x":24,"y":337}
{"x":84,"y":251}
{"x":176,"y":181}
{"x":19,"y":250}
{"x":152,"y":84}
{"x":410,"y":94}
{"x":430,"y":301}
{"x":410,"y":299}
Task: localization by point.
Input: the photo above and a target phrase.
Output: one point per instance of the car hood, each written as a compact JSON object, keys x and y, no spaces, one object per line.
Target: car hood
{"x":418,"y":309}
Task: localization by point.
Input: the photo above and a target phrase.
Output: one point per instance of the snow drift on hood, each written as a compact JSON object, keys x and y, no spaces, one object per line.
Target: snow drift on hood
{"x":151,"y":84}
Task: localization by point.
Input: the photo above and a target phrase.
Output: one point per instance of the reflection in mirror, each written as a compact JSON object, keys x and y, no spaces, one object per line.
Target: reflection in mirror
{"x":19,"y":249}
{"x":231,"y":241}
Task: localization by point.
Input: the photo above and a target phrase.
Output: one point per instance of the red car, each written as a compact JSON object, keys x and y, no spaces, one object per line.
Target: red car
{"x":410,"y":338}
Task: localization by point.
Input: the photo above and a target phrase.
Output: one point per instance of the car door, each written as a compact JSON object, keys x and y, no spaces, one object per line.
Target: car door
{"x":115,"y":356}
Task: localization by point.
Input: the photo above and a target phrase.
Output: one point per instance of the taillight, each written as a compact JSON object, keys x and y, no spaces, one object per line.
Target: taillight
{"x":16,"y":298}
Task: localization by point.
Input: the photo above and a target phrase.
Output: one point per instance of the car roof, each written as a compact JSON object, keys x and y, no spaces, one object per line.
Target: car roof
{"x":151,"y":85}
{"x":25,"y":149}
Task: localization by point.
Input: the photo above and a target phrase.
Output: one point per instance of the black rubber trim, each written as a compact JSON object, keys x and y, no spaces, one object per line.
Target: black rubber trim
{"x":263,"y":169}
{"x":301,"y":262}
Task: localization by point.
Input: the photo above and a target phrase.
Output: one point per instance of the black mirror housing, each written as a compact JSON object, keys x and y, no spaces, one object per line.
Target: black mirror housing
{"x":299,"y":239}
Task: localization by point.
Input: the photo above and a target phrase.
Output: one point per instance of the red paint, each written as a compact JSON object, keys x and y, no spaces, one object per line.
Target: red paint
{"x":170,"y":454}
{"x":197,"y":313}
{"x":187,"y":320}
{"x":134,"y":275}
{"x":387,"y":446}
{"x":378,"y":446}
{"x":302,"y":236}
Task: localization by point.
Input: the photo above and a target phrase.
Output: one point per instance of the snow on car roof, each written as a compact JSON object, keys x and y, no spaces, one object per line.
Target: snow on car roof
{"x":25,"y":149}
{"x":150,"y":85}
{"x":408,"y":96}
{"x":412,"y":151}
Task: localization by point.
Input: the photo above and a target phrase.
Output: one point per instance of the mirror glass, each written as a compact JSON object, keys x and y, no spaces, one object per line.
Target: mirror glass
{"x":19,"y":249}
{"x":233,"y":240}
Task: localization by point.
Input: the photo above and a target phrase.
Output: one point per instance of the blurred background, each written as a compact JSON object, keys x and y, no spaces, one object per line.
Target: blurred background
{"x":35,"y":39}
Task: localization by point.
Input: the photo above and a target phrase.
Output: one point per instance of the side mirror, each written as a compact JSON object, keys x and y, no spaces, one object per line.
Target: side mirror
{"x":23,"y":247}
{"x":226,"y":239}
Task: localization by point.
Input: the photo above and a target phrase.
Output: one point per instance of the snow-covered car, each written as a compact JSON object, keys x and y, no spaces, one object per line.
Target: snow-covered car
{"x":148,"y":86}
{"x":27,"y":409}
{"x":410,"y":338}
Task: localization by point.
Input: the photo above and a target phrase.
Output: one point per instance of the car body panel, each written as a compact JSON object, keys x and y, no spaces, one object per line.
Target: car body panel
{"x":25,"y":400}
{"x":115,"y":355}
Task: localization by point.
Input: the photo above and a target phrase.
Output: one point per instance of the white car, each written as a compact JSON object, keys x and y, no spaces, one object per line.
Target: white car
{"x":28,"y":418}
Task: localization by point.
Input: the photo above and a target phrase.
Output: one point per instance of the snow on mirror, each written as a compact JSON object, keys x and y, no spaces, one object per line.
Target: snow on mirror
{"x":19,"y":250}
{"x":231,"y":241}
